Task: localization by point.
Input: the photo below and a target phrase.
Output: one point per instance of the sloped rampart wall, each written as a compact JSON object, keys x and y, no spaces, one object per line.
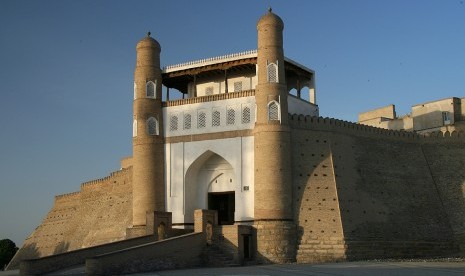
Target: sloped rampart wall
{"x":99,"y":213}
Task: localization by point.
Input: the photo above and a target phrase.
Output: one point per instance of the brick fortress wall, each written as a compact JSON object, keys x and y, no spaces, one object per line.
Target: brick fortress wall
{"x":447,"y":164}
{"x":359,"y":192}
{"x":98,"y":214}
{"x":363,"y":192}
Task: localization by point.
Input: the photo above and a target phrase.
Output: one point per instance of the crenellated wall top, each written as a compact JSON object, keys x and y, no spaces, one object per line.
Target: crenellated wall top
{"x":68,"y":195}
{"x":351,"y":128}
{"x":104,"y":179}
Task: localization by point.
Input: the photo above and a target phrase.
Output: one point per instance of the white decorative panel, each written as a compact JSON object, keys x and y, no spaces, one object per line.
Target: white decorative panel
{"x":214,"y":116}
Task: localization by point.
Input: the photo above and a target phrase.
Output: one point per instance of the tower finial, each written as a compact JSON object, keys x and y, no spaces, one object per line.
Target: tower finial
{"x":148,"y":34}
{"x":269,"y":9}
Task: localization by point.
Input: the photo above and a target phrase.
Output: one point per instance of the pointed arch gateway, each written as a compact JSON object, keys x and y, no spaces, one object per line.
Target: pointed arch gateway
{"x":209,"y":184}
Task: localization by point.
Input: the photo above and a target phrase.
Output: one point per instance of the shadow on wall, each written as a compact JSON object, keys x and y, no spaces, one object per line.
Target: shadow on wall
{"x":447,"y":165}
{"x":388,"y":201}
{"x":219,"y":252}
{"x":233,"y":245}
{"x":316,"y":209}
{"x":62,"y":247}
{"x":29,"y":251}
{"x":363,"y":197}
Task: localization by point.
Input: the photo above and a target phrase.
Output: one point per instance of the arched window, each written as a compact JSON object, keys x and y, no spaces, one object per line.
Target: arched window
{"x":273,"y":111}
{"x":150,"y":88}
{"x":134,"y":128}
{"x":187,"y":121}
{"x":272,"y":72}
{"x":246,"y":115}
{"x":201,"y":119}
{"x":231,"y":118}
{"x":174,"y":123}
{"x":216,"y":118}
{"x":152,"y":126}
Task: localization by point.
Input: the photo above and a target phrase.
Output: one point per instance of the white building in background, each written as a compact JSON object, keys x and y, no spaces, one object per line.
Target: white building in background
{"x":441,"y":115}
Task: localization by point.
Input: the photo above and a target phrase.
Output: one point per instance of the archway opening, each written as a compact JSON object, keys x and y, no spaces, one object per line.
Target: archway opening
{"x":210,"y":184}
{"x":224,"y":204}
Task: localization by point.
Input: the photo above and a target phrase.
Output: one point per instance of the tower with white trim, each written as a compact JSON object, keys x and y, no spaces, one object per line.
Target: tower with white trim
{"x":273,"y":182}
{"x":148,"y":139}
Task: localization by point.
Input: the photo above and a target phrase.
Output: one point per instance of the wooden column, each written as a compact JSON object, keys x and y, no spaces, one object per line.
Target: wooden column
{"x":312,"y":91}
{"x":195,"y":85}
{"x":226,"y":81}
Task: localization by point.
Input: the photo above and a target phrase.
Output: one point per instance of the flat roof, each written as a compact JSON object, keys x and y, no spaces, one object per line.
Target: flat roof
{"x":224,"y":58}
{"x":435,"y":101}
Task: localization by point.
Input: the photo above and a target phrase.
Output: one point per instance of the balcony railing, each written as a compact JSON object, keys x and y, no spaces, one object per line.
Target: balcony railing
{"x":210,"y":98}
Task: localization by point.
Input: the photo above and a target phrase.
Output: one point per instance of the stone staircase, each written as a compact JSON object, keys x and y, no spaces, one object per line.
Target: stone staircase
{"x":214,"y":256}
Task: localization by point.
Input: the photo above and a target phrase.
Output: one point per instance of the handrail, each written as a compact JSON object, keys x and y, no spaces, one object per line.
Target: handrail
{"x":210,"y":98}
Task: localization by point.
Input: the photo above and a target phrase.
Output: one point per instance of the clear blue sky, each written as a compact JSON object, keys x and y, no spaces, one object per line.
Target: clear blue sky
{"x":66,"y":71}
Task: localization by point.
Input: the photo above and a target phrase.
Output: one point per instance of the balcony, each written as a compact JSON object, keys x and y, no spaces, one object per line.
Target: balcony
{"x":210,"y":98}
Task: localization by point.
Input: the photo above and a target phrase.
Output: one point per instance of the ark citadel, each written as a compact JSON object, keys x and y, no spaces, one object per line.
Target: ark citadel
{"x":243,"y":168}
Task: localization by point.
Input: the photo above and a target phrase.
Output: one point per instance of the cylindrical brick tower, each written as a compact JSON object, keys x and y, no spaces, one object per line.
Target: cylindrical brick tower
{"x":148,"y":142}
{"x":273,"y":181}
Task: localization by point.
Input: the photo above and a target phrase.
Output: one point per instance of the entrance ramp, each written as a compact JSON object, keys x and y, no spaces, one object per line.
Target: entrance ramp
{"x":172,"y":253}
{"x":76,"y":257}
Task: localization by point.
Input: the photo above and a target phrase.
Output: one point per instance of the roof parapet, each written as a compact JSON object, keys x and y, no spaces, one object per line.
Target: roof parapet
{"x":208,"y":61}
{"x":350,"y":128}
